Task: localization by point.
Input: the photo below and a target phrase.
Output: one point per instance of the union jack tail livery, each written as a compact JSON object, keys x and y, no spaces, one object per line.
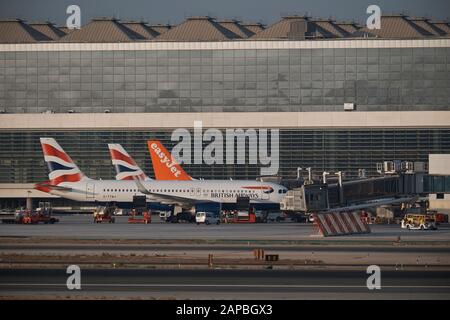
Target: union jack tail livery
{"x":61,"y":167}
{"x":164,"y":166}
{"x":126,"y":167}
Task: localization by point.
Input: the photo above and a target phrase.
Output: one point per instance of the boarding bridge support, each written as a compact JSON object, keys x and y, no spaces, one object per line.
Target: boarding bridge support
{"x":341,"y":187}
{"x":29,"y":204}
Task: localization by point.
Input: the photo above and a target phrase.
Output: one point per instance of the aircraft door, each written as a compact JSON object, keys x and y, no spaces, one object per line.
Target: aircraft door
{"x":90,"y":190}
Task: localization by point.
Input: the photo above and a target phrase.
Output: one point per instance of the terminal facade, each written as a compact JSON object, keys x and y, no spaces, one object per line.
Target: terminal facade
{"x":295,"y":76}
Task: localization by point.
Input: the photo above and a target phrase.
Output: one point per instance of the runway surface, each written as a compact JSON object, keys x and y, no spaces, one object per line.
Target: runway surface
{"x":82,"y":227}
{"x":420,"y":279}
{"x":226,"y":284}
{"x":62,"y":248}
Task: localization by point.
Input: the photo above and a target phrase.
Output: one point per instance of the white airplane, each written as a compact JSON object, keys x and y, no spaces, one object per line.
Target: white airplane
{"x":67,"y":181}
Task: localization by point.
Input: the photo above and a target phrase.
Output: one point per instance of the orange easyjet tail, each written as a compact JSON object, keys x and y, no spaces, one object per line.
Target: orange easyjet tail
{"x":164,"y":166}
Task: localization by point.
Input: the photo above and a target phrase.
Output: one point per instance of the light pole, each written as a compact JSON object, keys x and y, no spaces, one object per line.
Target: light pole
{"x":341,"y":188}
{"x":309,"y":175}
{"x":299,"y":169}
{"x":310,"y":180}
{"x":324,"y":176}
{"x":29,"y":201}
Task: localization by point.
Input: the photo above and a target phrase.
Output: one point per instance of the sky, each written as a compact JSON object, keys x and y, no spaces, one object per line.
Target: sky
{"x":175,"y":11}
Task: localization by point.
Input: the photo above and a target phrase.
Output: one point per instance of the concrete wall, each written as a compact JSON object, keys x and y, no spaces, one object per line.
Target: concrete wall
{"x":230,"y":45}
{"x":439,"y":164}
{"x":442,"y":206}
{"x":123,"y":121}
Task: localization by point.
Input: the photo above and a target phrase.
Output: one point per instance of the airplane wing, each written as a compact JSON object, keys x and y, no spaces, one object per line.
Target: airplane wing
{"x":165,"y":199}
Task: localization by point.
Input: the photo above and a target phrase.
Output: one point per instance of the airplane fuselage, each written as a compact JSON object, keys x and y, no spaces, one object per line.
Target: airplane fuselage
{"x":219,"y":191}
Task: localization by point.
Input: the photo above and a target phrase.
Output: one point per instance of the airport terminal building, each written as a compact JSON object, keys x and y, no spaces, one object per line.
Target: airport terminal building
{"x":342,"y":97}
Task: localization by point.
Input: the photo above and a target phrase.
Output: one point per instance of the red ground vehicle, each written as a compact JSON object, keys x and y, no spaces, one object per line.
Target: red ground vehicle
{"x":41,"y":217}
{"x":438,"y":217}
{"x":104,"y":214}
{"x":102,"y":218}
{"x":25,"y":219}
{"x":21,"y":217}
{"x":32,"y":217}
{"x":145,"y":218}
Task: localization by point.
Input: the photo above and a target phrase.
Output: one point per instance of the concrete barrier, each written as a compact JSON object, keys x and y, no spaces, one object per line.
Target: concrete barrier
{"x":340,"y":223}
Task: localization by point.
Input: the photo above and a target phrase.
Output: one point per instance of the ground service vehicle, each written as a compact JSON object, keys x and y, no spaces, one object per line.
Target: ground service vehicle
{"x":135,"y":217}
{"x":419,"y":222}
{"x":207,"y":218}
{"x":185,"y":217}
{"x":275,"y":217}
{"x":439,"y":217}
{"x":240,"y":216}
{"x":42,"y":214}
{"x":104,"y":214}
{"x":31,"y":217}
{"x":261,"y":216}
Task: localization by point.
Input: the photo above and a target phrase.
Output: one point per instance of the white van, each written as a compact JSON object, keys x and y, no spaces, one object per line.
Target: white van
{"x":207,"y":217}
{"x":164,"y":215}
{"x":121,"y":212}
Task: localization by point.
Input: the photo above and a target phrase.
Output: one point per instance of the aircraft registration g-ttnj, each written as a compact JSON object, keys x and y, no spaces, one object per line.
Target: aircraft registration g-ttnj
{"x":68,"y":181}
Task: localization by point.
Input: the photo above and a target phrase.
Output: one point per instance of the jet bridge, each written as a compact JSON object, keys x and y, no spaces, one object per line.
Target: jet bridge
{"x":354,"y":194}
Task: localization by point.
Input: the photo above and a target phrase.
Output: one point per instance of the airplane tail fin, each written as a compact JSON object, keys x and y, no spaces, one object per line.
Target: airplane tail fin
{"x":61,"y":167}
{"x":126,"y":167}
{"x":164,"y":166}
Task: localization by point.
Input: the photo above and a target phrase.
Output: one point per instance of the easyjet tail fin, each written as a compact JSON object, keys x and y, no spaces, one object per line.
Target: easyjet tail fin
{"x":164,"y":166}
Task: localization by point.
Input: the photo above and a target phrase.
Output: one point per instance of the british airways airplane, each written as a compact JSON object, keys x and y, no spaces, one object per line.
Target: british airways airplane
{"x":68,"y":181}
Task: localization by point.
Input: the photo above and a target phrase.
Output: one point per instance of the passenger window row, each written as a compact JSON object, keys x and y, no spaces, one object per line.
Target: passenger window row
{"x":171,"y":190}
